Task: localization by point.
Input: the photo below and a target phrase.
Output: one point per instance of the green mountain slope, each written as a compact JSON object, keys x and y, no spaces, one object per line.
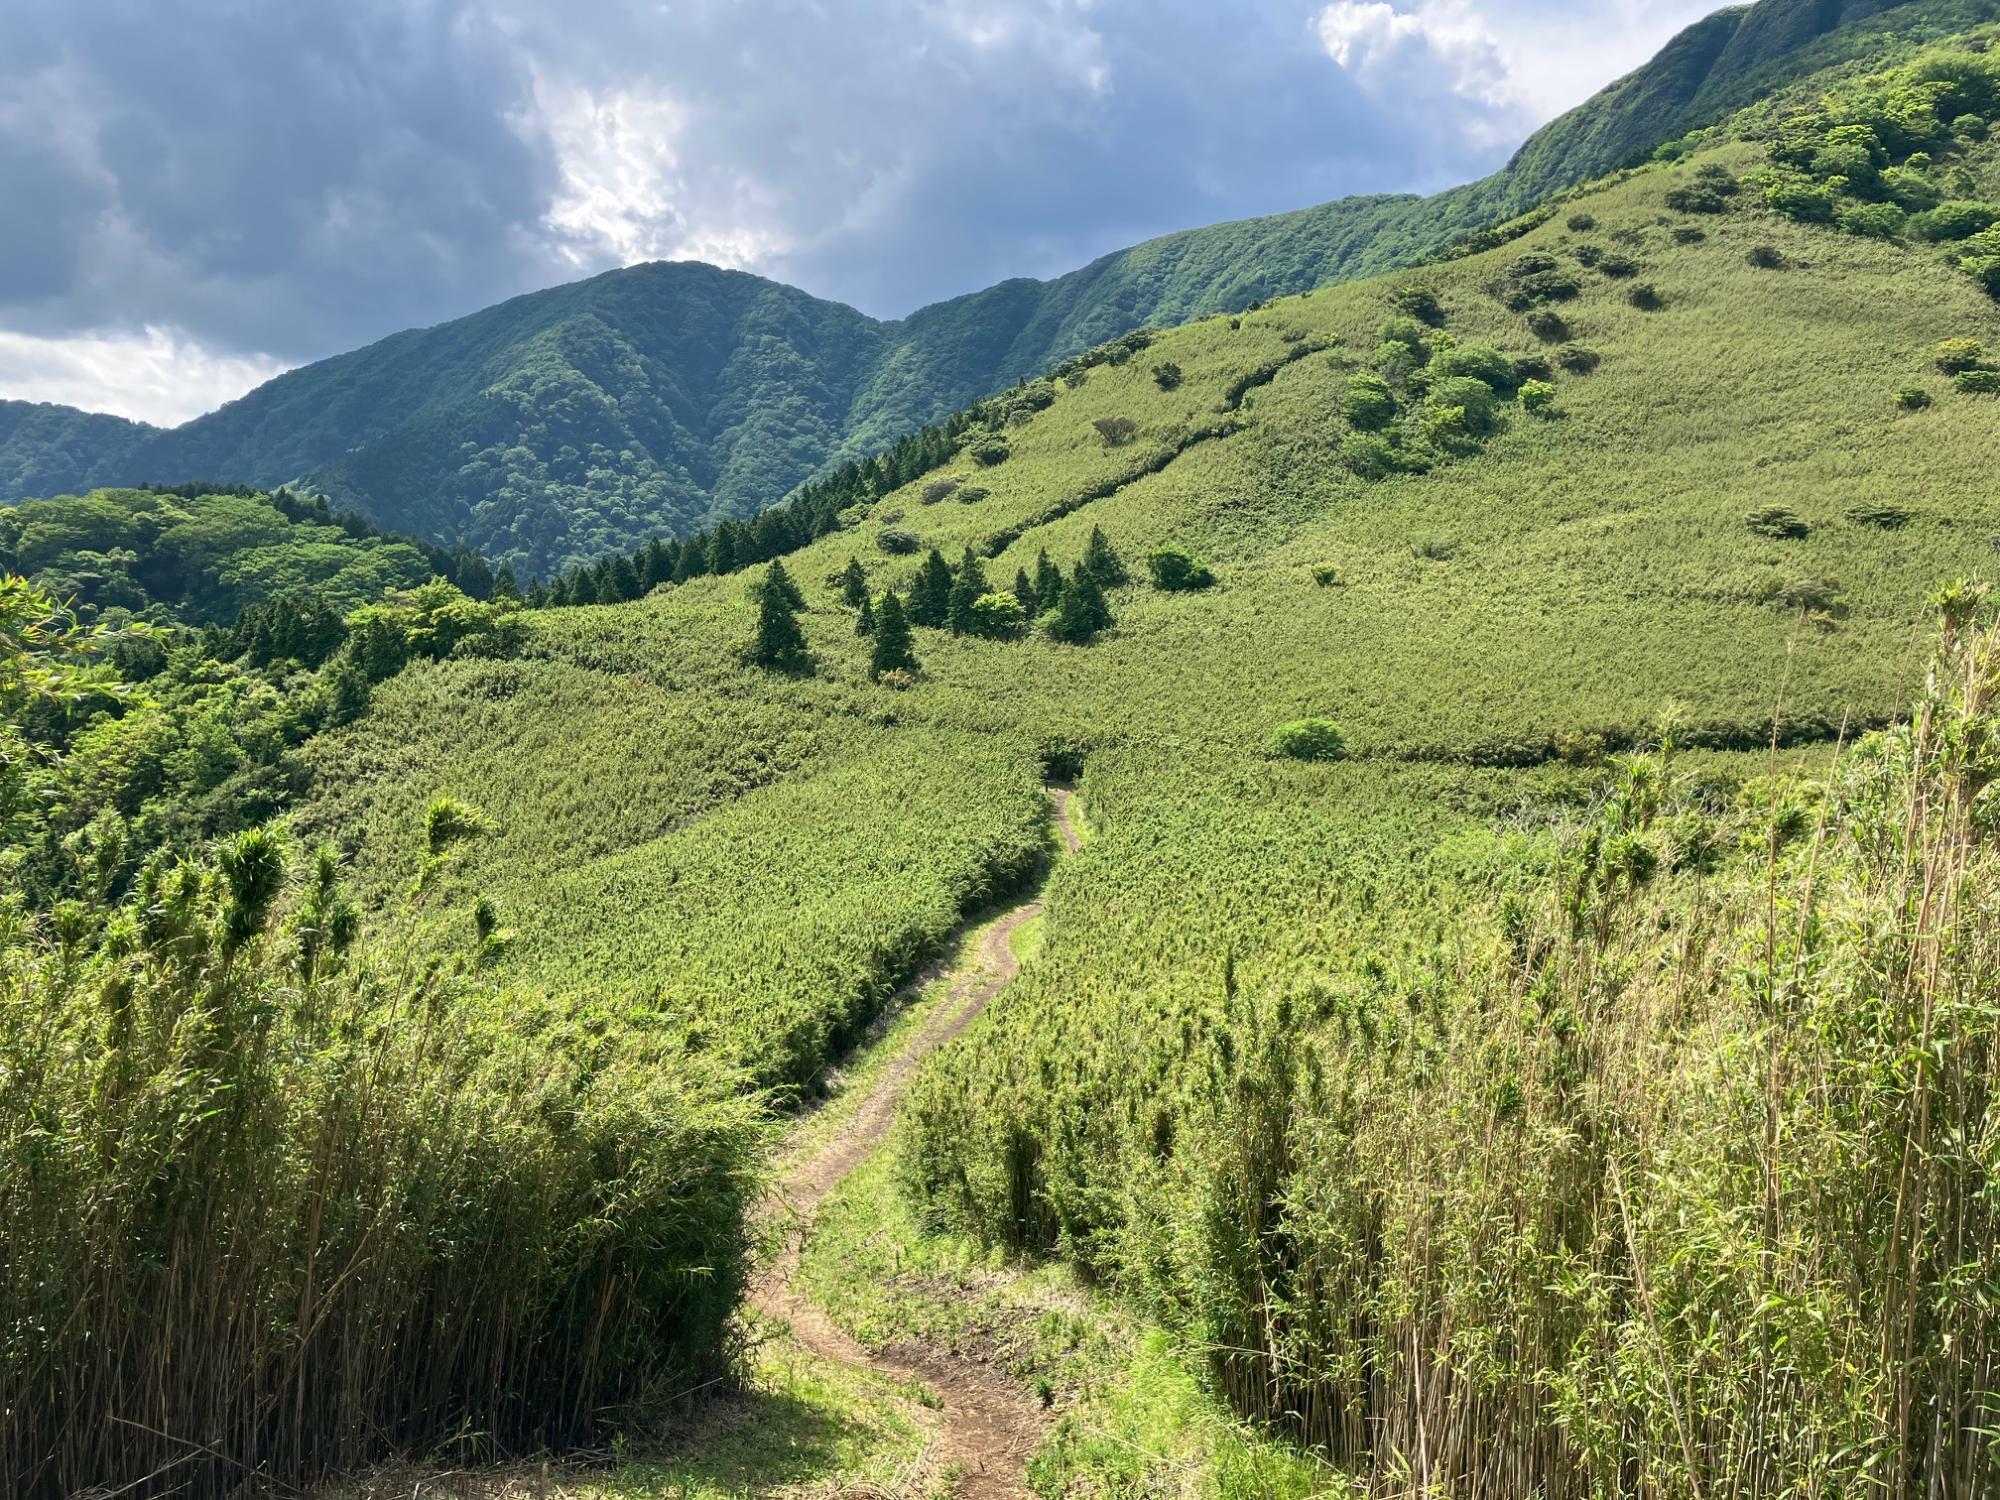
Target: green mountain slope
{"x":572,"y":422}
{"x":1500,"y":1020}
{"x":1278,"y":985}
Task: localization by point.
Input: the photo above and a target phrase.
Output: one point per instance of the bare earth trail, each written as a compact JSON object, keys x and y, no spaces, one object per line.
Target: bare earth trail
{"x":985,"y":1426}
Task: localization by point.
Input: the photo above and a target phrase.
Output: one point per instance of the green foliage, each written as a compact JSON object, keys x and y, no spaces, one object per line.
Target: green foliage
{"x":1309,"y":739}
{"x":1538,"y":397}
{"x":1957,"y":355}
{"x":779,"y":643}
{"x":1912,"y":398}
{"x":1369,"y":405}
{"x":895,"y":648}
{"x":1977,"y":382}
{"x":1101,"y":560}
{"x":1167,"y":375}
{"x":1175,"y":569}
{"x":996,"y":617}
{"x":1776,"y":521}
{"x":1082,"y":610}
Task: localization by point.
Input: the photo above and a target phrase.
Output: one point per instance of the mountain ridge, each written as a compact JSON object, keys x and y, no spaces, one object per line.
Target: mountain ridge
{"x":578,"y":420}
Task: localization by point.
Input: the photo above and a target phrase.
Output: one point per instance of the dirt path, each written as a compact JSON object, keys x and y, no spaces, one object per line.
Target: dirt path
{"x":984,"y":1426}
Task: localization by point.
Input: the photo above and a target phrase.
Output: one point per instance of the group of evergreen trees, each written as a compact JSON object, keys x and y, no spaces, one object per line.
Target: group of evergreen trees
{"x":941,"y":597}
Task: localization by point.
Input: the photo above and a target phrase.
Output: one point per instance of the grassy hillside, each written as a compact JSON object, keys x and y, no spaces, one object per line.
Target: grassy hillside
{"x":1723,"y":527}
{"x":570,"y":423}
{"x":1498,"y":1019}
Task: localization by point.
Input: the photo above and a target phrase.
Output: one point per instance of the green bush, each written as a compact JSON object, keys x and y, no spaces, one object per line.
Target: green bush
{"x":1646,"y":297}
{"x":1464,"y":393}
{"x":1766,"y":257}
{"x":898,"y":541}
{"x":1309,"y":739}
{"x":1538,"y":397}
{"x":1369,"y":404}
{"x":1578,"y":360}
{"x":1581,"y":223}
{"x":997,"y":617}
{"x":1618,"y":267}
{"x":1167,"y":375}
{"x":1955,"y":219}
{"x":1776,"y":521}
{"x":1418,"y":302}
{"x":1408,"y":332}
{"x":1370,"y":455}
{"x":1978,"y":382}
{"x":1879,"y":221}
{"x":988,"y":451}
{"x":1954,"y":356}
{"x":1479,"y":362}
{"x":1175,"y":570}
{"x":1547,"y":325}
{"x":1913,"y":398}
{"x":1803,"y":199}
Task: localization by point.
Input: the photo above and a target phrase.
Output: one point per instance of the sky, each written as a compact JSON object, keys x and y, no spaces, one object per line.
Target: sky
{"x":201,"y":193}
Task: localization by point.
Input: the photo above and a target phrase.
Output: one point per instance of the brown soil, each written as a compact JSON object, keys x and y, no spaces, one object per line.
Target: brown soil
{"x":985,"y":1425}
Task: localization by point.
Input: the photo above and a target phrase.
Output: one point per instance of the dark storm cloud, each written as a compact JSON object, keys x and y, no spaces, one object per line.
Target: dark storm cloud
{"x":258,"y":181}
{"x":278,"y":177}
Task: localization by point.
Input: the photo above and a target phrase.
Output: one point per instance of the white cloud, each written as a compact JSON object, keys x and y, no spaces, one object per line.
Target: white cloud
{"x":1411,"y":56}
{"x":158,"y":375}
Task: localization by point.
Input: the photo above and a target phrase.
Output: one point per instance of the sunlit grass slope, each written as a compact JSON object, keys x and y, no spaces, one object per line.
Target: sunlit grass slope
{"x":769,"y":853}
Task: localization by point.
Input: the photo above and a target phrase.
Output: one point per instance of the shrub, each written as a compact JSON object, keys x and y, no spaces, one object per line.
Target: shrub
{"x":898,"y":541}
{"x":972,"y":494}
{"x":1646,"y":297}
{"x":1538,"y":397}
{"x":1695,"y":198}
{"x":1885,"y":517}
{"x":1541,"y":287}
{"x":1776,"y":521}
{"x":1978,"y":382}
{"x":1588,"y":255}
{"x":1582,"y":223}
{"x":1167,"y":375}
{"x":939,"y":489}
{"x":1618,"y":267}
{"x":1878,"y":221}
{"x":1801,"y":198}
{"x":1325,"y":575}
{"x":1309,"y":739}
{"x":1369,"y":404}
{"x":1688,"y":234}
{"x":1420,"y":303}
{"x":1913,"y":398}
{"x":1578,"y":360}
{"x":1408,"y":332}
{"x":1479,"y":362}
{"x":1766,"y":257}
{"x":1175,"y":570}
{"x":1369,"y":455}
{"x":1465,"y":393}
{"x":989,"y":451}
{"x":997,"y":616}
{"x":1116,"y":431}
{"x":1532,"y":367}
{"x":1955,"y":219}
{"x":1547,"y":325}
{"x":1953,"y":356}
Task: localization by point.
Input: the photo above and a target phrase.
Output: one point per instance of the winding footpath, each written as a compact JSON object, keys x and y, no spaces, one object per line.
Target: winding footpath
{"x":986,"y":1428}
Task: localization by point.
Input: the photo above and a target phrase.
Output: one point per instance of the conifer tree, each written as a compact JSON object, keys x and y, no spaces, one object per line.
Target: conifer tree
{"x":1082,"y":612}
{"x":504,"y":584}
{"x":930,"y":595}
{"x":780,"y":643}
{"x":656,"y":563}
{"x":1101,"y":562}
{"x":894,"y":651}
{"x":1048,"y":582}
{"x":854,"y":584}
{"x":965,"y":592}
{"x":622,"y":580}
{"x":776,"y":578}
{"x":864,"y":622}
{"x":1024,"y":590}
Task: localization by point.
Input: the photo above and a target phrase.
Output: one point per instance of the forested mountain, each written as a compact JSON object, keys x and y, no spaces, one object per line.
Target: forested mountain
{"x":569,"y":423}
